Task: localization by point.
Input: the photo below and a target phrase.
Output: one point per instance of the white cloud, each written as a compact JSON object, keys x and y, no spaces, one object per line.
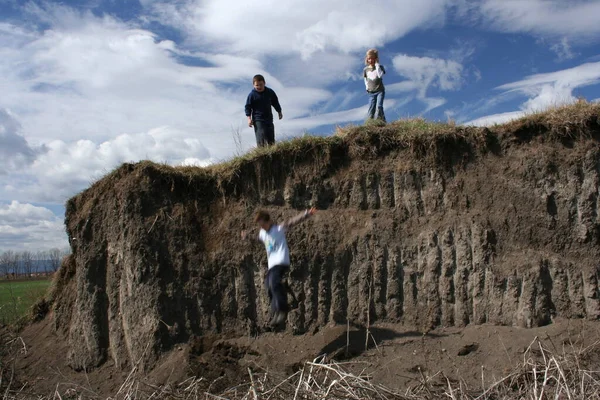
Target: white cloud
{"x":554,"y":88}
{"x":582,"y":75}
{"x":67,"y":167}
{"x":23,"y":214}
{"x":424,"y":73}
{"x":494,"y":119}
{"x":101,"y":78}
{"x":93,"y":92}
{"x":24,"y":226}
{"x":544,"y":91}
{"x":298,"y":26}
{"x":106,"y":79}
{"x":427,"y":71}
{"x":317,"y":71}
{"x":573,"y":19}
{"x":563,"y":50}
{"x":15,"y":152}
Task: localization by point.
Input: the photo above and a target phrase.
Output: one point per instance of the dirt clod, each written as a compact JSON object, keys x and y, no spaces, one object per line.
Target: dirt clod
{"x":468,"y":349}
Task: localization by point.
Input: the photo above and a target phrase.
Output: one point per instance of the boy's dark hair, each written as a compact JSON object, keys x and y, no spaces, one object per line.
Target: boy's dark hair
{"x":258,"y":78}
{"x":262,"y":216}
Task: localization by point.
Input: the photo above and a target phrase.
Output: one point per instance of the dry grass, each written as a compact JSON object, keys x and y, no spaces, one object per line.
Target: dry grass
{"x":580,"y":119}
{"x":419,"y":136}
{"x":542,"y":374}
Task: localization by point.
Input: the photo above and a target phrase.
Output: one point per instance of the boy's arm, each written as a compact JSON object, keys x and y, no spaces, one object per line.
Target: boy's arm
{"x":379,"y":69}
{"x":248,"y":109}
{"x":275,"y":103}
{"x":299,"y":218}
{"x":365,"y":79}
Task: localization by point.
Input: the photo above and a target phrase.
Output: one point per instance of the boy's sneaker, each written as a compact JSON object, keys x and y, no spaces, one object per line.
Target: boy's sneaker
{"x":279,"y":318}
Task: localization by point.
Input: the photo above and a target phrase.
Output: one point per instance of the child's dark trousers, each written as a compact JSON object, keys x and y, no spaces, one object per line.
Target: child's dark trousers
{"x":276,"y":290}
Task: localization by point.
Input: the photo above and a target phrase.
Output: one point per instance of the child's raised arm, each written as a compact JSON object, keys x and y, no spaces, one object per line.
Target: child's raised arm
{"x":379,"y":69}
{"x":299,"y":218}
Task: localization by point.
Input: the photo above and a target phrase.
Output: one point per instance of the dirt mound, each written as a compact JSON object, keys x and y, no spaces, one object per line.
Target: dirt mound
{"x":425,"y":225}
{"x":218,"y":363}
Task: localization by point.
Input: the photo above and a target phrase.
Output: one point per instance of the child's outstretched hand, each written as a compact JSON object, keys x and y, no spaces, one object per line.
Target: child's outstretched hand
{"x":312,"y":211}
{"x":243,"y":234}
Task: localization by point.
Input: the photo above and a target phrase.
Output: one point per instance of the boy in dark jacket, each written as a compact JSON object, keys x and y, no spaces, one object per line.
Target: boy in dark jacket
{"x":258,"y":110}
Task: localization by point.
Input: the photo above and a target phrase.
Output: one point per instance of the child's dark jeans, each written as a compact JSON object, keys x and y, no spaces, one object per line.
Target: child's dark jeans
{"x":264,"y":132}
{"x":275,"y":288}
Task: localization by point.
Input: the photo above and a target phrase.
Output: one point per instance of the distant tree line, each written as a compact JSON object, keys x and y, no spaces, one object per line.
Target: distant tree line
{"x":19,"y":264}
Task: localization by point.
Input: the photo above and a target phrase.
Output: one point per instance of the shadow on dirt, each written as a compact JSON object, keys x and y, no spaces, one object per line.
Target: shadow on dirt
{"x":355,"y":342}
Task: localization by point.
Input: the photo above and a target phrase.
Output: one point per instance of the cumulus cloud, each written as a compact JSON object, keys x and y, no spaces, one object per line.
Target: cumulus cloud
{"x":303,"y":26}
{"x":95,"y":91}
{"x":105,"y":78}
{"x":68,"y":167}
{"x":102,"y":77}
{"x":24,"y":226}
{"x":423,"y":73}
{"x":15,"y":152}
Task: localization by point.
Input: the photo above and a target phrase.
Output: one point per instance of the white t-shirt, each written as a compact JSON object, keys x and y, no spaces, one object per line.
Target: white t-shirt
{"x":275,"y":242}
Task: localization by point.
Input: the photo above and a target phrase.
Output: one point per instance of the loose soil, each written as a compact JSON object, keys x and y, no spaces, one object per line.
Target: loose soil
{"x":396,"y":357}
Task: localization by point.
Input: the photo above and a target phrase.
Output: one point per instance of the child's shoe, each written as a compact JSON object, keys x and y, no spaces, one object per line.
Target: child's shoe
{"x":279,"y":318}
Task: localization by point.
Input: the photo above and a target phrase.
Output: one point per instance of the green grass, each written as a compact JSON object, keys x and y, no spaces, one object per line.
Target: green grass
{"x":17,"y":297}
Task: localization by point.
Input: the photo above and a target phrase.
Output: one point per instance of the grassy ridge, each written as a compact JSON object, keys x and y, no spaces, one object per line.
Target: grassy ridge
{"x":417,"y":135}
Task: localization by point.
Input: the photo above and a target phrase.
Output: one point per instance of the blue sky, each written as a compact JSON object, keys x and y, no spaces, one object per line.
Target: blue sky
{"x":87,"y":85}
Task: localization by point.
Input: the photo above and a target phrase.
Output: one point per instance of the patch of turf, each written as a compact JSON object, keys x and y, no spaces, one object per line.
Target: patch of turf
{"x":17,"y":297}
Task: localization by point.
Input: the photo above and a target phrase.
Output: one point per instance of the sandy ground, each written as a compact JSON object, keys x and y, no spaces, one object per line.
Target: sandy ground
{"x":393,"y":355}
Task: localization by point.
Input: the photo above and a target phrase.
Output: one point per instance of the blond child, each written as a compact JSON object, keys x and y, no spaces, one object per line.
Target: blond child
{"x":373,"y":75}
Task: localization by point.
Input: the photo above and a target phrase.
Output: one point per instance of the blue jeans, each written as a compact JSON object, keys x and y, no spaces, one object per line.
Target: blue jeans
{"x":376,"y":103}
{"x":276,"y":290}
{"x":264,"y":132}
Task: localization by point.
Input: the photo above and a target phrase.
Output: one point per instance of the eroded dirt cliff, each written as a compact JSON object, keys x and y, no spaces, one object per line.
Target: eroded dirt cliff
{"x":422,"y":224}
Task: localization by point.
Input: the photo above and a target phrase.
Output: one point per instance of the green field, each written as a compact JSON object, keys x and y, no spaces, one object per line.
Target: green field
{"x":16,"y":297}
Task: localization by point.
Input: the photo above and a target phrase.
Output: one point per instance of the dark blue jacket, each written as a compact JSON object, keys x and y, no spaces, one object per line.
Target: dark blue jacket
{"x":258,"y":105}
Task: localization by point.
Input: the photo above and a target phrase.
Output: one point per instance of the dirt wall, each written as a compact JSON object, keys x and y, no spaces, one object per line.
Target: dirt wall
{"x":505,"y":233}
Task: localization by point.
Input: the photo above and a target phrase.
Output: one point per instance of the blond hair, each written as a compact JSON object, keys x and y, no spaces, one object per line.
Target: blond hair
{"x":372,"y":53}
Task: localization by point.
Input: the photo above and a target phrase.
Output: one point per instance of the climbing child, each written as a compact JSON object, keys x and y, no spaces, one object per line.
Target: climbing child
{"x":373,"y":75}
{"x":258,"y":110}
{"x":278,"y":258}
